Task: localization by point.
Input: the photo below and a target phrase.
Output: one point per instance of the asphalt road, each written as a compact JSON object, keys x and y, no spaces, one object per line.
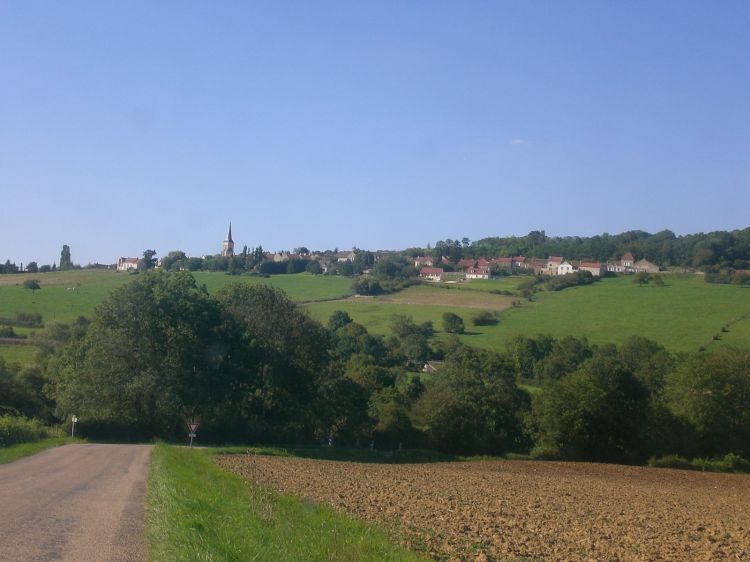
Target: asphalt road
{"x":76,"y":502}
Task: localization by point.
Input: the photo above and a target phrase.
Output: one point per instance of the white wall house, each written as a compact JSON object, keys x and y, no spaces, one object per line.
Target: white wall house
{"x":564,"y":269}
{"x":127,"y":264}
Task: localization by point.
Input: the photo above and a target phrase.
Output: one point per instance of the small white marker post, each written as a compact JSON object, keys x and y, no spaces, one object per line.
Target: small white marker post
{"x":193,"y":427}
{"x":74,"y":419}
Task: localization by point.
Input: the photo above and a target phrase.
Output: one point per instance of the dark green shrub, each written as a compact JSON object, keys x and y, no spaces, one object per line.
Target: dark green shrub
{"x":484,"y":318}
{"x":14,"y":430}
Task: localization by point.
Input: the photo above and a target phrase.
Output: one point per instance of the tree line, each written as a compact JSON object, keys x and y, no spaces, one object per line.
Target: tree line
{"x":722,"y":249}
{"x":252,"y":366}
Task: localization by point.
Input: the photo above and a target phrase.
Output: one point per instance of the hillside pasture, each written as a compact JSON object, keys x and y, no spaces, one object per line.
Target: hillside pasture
{"x":66,"y":295}
{"x":301,"y":287}
{"x":506,"y":283}
{"x":435,"y":296}
{"x":684,"y":315}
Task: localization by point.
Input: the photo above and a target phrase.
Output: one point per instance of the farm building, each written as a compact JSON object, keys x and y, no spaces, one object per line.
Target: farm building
{"x":565,"y":268}
{"x":478,"y":273}
{"x":503,"y":263}
{"x":127,"y":264}
{"x":645,"y":266}
{"x":595,"y":268}
{"x":466,"y":264}
{"x":553,"y":262}
{"x":431,"y":273}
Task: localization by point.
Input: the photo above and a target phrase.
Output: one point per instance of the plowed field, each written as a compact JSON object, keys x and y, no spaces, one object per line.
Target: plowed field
{"x":515,"y":510}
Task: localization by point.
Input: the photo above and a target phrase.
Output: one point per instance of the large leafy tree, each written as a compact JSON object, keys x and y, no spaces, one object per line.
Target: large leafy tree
{"x":285,"y":357}
{"x":151,"y":357}
{"x":472,"y":404}
{"x":711,"y":392}
{"x":598,"y":413}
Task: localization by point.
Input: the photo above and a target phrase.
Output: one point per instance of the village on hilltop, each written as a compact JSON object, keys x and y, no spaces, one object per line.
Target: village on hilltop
{"x":553,"y":265}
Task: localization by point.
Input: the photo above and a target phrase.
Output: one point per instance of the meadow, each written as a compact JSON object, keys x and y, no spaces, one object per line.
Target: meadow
{"x":64,"y":296}
{"x":684,"y":315}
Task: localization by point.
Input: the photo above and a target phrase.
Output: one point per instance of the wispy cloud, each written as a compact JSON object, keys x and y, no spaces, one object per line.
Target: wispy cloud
{"x":518,"y":142}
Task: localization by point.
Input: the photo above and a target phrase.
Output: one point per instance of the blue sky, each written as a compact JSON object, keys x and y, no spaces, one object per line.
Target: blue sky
{"x":134,"y":125}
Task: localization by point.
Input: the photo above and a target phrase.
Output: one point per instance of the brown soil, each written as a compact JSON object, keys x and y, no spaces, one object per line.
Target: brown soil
{"x":442,"y":297}
{"x":516,"y":510}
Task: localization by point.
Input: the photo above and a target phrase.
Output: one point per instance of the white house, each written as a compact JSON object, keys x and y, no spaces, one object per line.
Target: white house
{"x":553,"y":262}
{"x":127,"y":264}
{"x":345,"y":256}
{"x":564,"y":269}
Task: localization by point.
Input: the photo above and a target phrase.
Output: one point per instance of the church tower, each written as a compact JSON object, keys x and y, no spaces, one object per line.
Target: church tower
{"x":227,"y":248}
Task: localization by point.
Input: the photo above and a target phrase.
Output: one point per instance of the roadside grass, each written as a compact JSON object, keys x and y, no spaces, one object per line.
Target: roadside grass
{"x":344,"y":454}
{"x":15,"y":452}
{"x":197,"y":511}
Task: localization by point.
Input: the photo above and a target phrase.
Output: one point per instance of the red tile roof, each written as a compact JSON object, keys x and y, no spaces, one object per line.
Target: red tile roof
{"x":431,"y":271}
{"x":592,"y":264}
{"x":555,"y":259}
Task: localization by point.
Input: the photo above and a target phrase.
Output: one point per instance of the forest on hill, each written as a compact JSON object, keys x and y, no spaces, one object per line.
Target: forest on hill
{"x":724,"y":249}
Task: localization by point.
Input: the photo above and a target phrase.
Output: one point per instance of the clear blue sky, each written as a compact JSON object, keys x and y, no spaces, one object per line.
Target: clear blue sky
{"x":134,"y":125}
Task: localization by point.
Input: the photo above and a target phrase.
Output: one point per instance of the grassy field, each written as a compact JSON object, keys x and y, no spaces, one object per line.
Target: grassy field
{"x":197,"y":511}
{"x":684,"y":315}
{"x":509,"y":283}
{"x":15,"y":452}
{"x":21,"y":354}
{"x":65,"y":296}
{"x":301,"y":287}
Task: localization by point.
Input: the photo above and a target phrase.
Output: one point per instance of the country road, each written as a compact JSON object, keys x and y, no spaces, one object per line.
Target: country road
{"x":76,"y":502}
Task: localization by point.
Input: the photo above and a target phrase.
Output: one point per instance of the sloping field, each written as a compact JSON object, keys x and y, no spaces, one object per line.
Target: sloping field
{"x":430,"y":295}
{"x":377,"y":316}
{"x":684,"y":315}
{"x":66,"y":295}
{"x":515,"y":510}
{"x":301,"y":287}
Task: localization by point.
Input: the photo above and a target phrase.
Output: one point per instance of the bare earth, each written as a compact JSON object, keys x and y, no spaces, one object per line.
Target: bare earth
{"x":77,"y":502}
{"x":515,"y":510}
{"x":443,"y":297}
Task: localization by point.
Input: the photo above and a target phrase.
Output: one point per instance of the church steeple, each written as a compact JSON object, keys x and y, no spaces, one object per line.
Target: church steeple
{"x":227,"y":248}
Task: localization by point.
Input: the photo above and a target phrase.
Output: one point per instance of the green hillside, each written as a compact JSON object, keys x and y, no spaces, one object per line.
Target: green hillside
{"x":683,"y":315}
{"x":65,"y":296}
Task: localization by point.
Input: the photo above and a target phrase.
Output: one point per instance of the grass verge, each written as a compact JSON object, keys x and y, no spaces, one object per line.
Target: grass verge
{"x":14,"y":452}
{"x":196,"y":511}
